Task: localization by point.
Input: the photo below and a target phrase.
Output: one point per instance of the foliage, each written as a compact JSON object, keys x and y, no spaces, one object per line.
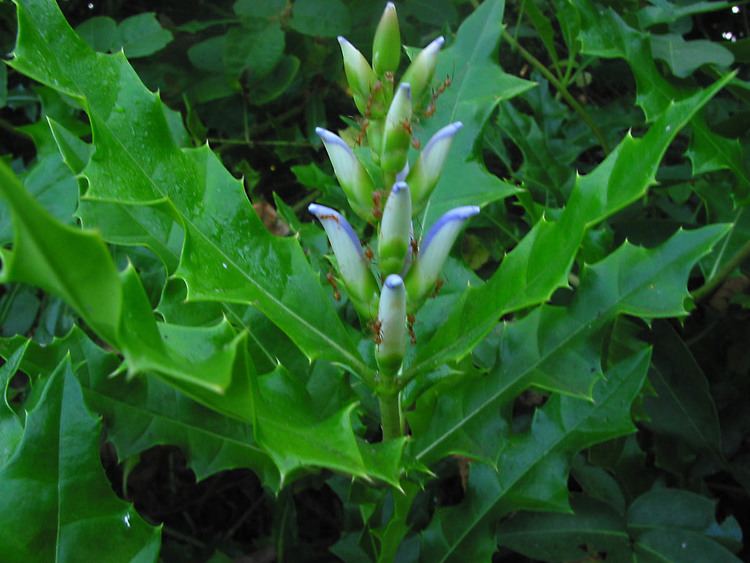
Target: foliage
{"x":577,"y":384}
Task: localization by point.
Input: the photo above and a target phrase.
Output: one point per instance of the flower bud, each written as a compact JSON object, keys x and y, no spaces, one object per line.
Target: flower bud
{"x":354,"y":179}
{"x":435,"y":247}
{"x":362,"y":80}
{"x":352,"y":264}
{"x":421,"y":70}
{"x":424,"y":176}
{"x":386,"y":47}
{"x":391,"y":325}
{"x":397,"y":133}
{"x":395,"y":230}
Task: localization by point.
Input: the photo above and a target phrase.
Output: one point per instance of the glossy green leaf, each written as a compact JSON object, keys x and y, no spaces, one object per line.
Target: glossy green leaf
{"x":662,"y":525}
{"x":478,"y":85}
{"x":11,"y":426}
{"x":143,"y":35}
{"x":684,"y":57}
{"x":558,"y":348}
{"x":57,"y":465}
{"x":605,"y":34}
{"x":540,"y":263}
{"x":100,"y":32}
{"x":683,"y":408}
{"x":534,"y":465}
{"x":677,"y":525}
{"x":320,"y":18}
{"x":594,"y":529}
{"x":228,"y":255}
{"x":257,"y":52}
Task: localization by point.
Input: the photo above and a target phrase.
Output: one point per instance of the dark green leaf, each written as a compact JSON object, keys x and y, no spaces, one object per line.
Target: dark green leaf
{"x":320,"y":18}
{"x":57,"y":464}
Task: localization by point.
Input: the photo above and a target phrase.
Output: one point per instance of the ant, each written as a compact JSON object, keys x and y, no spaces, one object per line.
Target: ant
{"x":410,"y":320}
{"x":377,"y":200}
{"x":329,"y":216}
{"x":436,"y":93}
{"x":377,"y":332}
{"x":414,"y":247}
{"x":368,"y":254}
{"x":331,"y":280}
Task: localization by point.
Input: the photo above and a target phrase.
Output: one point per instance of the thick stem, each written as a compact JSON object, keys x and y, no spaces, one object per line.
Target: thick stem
{"x":390,"y":416}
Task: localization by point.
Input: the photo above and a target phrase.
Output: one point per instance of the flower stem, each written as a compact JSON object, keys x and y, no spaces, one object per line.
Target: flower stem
{"x":560,"y":87}
{"x":712,"y":284}
{"x":390,"y":415}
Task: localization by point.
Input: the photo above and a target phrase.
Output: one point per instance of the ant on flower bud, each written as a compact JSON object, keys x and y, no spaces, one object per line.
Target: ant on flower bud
{"x":377,"y":200}
{"x":377,"y":334}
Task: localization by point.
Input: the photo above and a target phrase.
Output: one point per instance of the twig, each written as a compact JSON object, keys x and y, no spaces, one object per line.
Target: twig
{"x":711,"y":285}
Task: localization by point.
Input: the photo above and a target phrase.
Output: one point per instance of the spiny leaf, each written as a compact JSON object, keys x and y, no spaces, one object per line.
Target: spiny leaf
{"x":228,"y":255}
{"x":605,"y":34}
{"x":540,"y":263}
{"x":77,"y":266}
{"x":534,"y":466}
{"x":57,"y":464}
{"x":558,"y":348}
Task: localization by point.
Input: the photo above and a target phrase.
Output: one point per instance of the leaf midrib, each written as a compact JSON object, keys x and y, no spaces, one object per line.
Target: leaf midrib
{"x":566,"y":434}
{"x":598,"y":321}
{"x":353,"y":361}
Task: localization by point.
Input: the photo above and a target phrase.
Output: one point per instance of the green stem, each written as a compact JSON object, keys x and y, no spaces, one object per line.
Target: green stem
{"x":567,"y":96}
{"x":710,"y":286}
{"x":390,"y":415}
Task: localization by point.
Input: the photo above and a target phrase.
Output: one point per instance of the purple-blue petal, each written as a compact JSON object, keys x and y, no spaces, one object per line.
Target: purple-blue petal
{"x":394,"y":281}
{"x":324,"y":213}
{"x":457,"y":214}
{"x":447,"y":131}
{"x":332,"y":138}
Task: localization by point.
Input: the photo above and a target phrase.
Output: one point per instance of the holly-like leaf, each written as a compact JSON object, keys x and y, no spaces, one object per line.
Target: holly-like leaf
{"x":540,"y":263}
{"x":478,"y":84}
{"x":558,"y":348}
{"x":228,"y":255}
{"x":662,"y":525}
{"x":11,"y":426}
{"x":57,"y":465}
{"x":605,"y":34}
{"x":682,"y":408}
{"x":534,"y":465}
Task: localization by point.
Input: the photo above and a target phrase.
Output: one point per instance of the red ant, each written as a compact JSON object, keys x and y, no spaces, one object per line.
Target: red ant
{"x":368,"y":254}
{"x":334,"y":285}
{"x":436,"y":93}
{"x":410,"y":320}
{"x":330,"y":216}
{"x":377,"y":333}
{"x":377,"y":199}
{"x":414,"y":247}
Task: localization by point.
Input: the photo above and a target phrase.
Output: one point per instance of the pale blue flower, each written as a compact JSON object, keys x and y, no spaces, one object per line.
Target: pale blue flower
{"x":352,"y":263}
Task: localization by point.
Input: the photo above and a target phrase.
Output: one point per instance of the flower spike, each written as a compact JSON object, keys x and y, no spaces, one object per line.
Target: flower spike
{"x":395,"y":230}
{"x":426,"y":172}
{"x":421,"y":70}
{"x":436,"y":246}
{"x":391,"y":324}
{"x":354,"y":179}
{"x":352,"y":264}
